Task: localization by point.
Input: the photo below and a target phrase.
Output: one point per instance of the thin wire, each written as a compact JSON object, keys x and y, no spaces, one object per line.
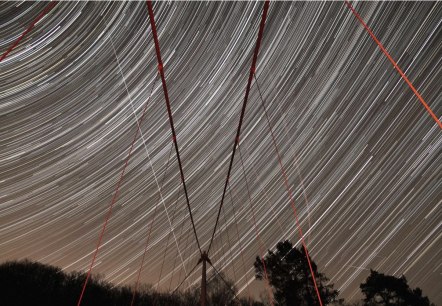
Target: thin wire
{"x":239,"y":240}
{"x":222,"y":278}
{"x":46,"y":10}
{"x":114,"y":198}
{"x":395,"y":65}
{"x":269,"y":291}
{"x":150,"y":230}
{"x":168,"y":237}
{"x":268,"y":201}
{"x":174,"y":261}
{"x":169,"y":112}
{"x":238,"y":131}
{"x":230,"y":246}
{"x":191,"y":271}
{"x":221,"y":251}
{"x":187,"y":250}
{"x":289,"y":192}
{"x":148,"y":154}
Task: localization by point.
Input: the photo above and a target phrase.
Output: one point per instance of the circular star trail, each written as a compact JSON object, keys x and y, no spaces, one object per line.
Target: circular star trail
{"x":362,"y":155}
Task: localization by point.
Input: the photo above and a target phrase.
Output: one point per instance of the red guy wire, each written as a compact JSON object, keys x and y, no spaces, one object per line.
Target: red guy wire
{"x":46,"y":10}
{"x":258,"y":237}
{"x":114,"y":198}
{"x":395,"y":65}
{"x":238,"y":132}
{"x":146,"y":245}
{"x":289,"y":192}
{"x":169,"y":112}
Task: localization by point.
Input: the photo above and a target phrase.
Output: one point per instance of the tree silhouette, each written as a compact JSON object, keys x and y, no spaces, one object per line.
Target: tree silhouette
{"x":388,"y":290}
{"x":24,"y":283}
{"x":222,"y":291}
{"x":289,"y":275}
{"x":218,"y":292}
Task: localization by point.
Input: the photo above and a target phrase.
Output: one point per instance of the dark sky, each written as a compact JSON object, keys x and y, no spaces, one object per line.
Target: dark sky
{"x":362,"y":155}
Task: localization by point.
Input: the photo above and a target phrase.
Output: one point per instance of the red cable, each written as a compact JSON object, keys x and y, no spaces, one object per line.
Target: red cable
{"x":169,"y":112}
{"x":184,"y":253}
{"x":238,"y":131}
{"x":47,"y":9}
{"x":395,"y":65}
{"x":239,"y":240}
{"x":292,"y":202}
{"x":256,"y":230}
{"x":168,"y":237}
{"x":230,"y":247}
{"x":220,"y":251}
{"x":150,"y":230}
{"x":114,"y":198}
{"x":176,"y":256}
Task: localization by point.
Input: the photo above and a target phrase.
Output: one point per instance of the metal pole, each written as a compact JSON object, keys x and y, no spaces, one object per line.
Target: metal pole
{"x":204,"y":258}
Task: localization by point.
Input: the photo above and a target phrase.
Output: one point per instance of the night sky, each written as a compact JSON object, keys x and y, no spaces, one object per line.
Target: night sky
{"x":362,"y":155}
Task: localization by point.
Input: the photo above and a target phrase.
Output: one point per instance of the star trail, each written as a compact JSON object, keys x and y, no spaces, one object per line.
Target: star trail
{"x":362,"y":155}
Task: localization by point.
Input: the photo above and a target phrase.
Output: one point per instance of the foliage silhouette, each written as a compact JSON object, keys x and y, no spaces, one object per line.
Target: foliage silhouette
{"x":31,"y":283}
{"x":387,"y":290}
{"x":221,"y":291}
{"x":289,"y":275}
{"x":24,"y":283}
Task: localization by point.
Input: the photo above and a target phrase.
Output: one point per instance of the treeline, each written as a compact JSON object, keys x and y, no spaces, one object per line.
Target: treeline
{"x":285,"y":271}
{"x":26,"y":283}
